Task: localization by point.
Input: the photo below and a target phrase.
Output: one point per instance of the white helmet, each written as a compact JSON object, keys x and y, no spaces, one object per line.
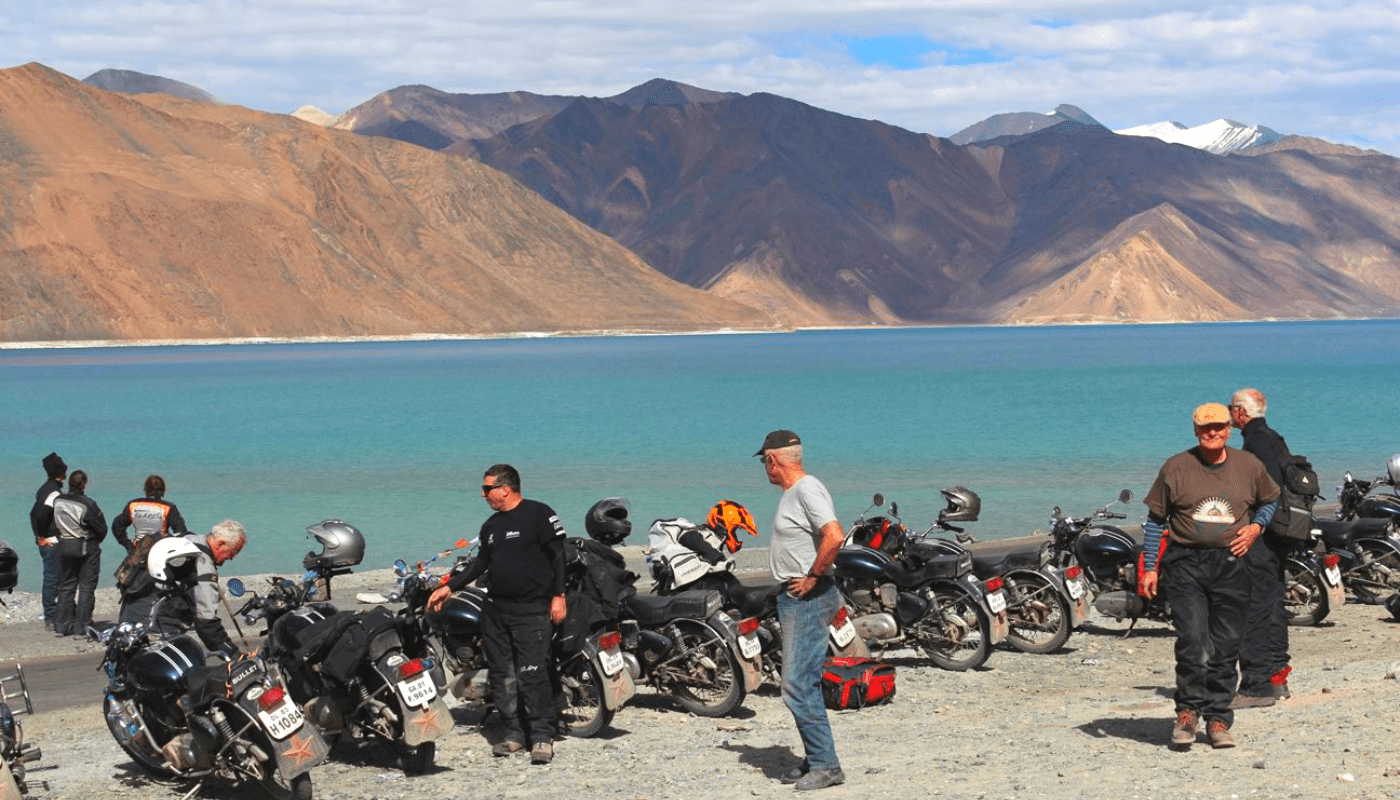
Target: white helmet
{"x":172,"y":560}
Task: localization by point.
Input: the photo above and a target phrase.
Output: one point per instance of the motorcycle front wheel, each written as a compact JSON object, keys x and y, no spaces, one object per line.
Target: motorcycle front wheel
{"x":1304,"y":598}
{"x":1038,"y":613}
{"x":953,"y":633}
{"x":707,"y":681}
{"x":153,"y":761}
{"x":1376,"y":574}
{"x":584,"y":714}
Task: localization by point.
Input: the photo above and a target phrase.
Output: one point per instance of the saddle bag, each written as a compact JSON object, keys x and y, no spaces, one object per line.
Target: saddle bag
{"x":853,"y":682}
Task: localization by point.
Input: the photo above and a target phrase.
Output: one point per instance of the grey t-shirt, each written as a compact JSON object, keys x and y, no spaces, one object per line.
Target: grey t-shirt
{"x":802,"y":512}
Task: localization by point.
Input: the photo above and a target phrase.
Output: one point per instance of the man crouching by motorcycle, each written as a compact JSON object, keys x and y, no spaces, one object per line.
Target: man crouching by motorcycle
{"x":199,"y":607}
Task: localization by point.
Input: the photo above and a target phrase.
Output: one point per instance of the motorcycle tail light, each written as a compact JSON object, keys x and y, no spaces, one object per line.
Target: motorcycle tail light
{"x":1073,"y":572}
{"x":748,"y":626}
{"x":609,"y":640}
{"x":1331,"y":560}
{"x":410,"y":668}
{"x":840,"y":618}
{"x":994,"y":584}
{"x":271,"y":697}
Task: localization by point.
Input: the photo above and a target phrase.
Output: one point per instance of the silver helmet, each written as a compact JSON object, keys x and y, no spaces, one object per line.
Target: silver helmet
{"x":1392,"y":470}
{"x":963,"y":505}
{"x":342,"y":545}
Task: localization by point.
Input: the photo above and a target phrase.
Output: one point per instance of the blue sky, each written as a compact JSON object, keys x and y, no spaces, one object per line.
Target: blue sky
{"x":933,"y":66}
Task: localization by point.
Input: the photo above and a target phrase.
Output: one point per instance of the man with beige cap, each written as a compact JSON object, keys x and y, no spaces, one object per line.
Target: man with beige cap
{"x":1212,"y":502}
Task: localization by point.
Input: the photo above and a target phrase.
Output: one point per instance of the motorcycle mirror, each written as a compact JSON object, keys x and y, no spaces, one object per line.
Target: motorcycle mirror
{"x":1346,"y":477}
{"x":1055,"y":513}
{"x":400,"y":567}
{"x":235,"y":587}
{"x":878,"y":499}
{"x":894,"y":509}
{"x":1125,"y":495}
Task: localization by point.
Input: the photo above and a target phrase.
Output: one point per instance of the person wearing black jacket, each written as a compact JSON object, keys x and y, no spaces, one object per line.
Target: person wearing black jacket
{"x":41,"y":522}
{"x":148,"y":517}
{"x":1264,"y":650}
{"x":522,"y":558}
{"x":81,"y":528}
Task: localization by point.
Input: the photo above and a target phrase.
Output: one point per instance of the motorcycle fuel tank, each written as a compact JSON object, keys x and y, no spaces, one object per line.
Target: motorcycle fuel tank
{"x":460,"y":617}
{"x":1102,"y":551}
{"x":861,"y":563}
{"x":161,"y":667}
{"x":1379,"y":505}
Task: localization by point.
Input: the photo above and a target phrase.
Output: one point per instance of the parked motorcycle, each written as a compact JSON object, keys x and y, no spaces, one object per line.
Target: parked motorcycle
{"x":15,"y":753}
{"x":1044,"y":601}
{"x":592,"y":676}
{"x":367,"y":674}
{"x":232,"y":720}
{"x":1376,"y":498}
{"x":900,"y":594}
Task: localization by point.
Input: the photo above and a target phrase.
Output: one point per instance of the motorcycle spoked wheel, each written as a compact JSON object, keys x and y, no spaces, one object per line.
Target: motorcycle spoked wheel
{"x":151,"y":761}
{"x":584,"y":714}
{"x":953,"y":632}
{"x":1376,"y":574}
{"x":701,"y":689}
{"x":270,"y":779}
{"x":1304,"y":598}
{"x":1038,"y":613}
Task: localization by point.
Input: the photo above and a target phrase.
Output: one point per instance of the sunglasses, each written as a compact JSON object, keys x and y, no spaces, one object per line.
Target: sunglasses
{"x":486,"y":488}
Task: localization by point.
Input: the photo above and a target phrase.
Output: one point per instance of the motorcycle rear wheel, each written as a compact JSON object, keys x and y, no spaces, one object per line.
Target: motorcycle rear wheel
{"x":1376,"y":575}
{"x":416,"y":760}
{"x":953,"y":633}
{"x":700,"y":689}
{"x":584,"y":714}
{"x":1304,"y":599}
{"x":278,"y":788}
{"x":152,"y":762}
{"x":1038,"y":613}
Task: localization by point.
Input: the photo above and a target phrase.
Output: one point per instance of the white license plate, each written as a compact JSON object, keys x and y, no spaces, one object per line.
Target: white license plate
{"x":1076,"y":589}
{"x":844,"y":634}
{"x":282,"y":721}
{"x":1334,"y":575}
{"x":996,"y":601}
{"x":418,"y":691}
{"x":611,"y":661}
{"x":749,"y":646}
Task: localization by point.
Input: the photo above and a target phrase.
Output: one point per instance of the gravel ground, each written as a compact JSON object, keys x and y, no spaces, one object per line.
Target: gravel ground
{"x":1090,"y":721}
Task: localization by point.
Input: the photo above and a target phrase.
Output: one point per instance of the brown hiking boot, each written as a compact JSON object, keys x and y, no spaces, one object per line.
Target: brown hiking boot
{"x":1184,"y":732}
{"x":1219,"y":735}
{"x":542,"y":753}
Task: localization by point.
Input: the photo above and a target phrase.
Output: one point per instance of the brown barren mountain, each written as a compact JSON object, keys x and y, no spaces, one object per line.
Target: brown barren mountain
{"x":151,"y":217}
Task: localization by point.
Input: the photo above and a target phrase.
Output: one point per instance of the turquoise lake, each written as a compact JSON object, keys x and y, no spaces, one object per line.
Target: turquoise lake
{"x":393,"y":437}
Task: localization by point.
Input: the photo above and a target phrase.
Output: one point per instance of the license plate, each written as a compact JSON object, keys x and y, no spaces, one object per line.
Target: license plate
{"x":843,"y":634}
{"x":1333,"y":575}
{"x":282,"y":721}
{"x":418,"y":691}
{"x":749,"y":646}
{"x":1076,"y":589}
{"x":611,"y":661}
{"x":996,"y":601}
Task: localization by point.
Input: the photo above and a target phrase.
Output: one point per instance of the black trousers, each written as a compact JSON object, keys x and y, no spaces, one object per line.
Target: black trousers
{"x":77,"y":591}
{"x":1208,"y":590}
{"x":515,"y":638}
{"x":1264,"y":649}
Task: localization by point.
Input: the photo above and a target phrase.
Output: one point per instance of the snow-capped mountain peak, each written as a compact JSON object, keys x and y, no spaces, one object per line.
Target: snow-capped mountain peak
{"x":1220,"y":136}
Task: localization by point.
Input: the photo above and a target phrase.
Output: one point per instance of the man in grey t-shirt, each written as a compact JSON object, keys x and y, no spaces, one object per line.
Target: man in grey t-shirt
{"x":805,"y":539}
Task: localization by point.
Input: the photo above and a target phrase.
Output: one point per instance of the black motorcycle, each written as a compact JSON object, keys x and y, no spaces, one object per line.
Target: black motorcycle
{"x":590,"y":673}
{"x":901,"y":592}
{"x":15,"y":753}
{"x":367,"y":674}
{"x":231,"y":719}
{"x":1365,"y":538}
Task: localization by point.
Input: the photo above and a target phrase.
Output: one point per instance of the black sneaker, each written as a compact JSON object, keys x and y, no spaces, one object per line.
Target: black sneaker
{"x":820,"y":779}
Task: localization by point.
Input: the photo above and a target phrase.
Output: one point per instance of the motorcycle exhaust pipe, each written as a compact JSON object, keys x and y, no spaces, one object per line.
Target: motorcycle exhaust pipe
{"x":1120,"y":604}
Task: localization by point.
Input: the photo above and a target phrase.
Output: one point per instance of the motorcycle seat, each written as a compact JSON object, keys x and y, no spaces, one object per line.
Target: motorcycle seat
{"x":1339,"y":534}
{"x":992,"y":565}
{"x":759,"y":601}
{"x":649,"y":609}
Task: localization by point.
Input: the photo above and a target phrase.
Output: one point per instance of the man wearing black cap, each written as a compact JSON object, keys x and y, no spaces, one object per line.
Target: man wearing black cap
{"x":806,"y":536}
{"x":41,"y":521}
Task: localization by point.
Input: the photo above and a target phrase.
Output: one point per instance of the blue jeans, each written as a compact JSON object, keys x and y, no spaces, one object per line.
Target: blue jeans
{"x":49,"y":594}
{"x":804,"y":622}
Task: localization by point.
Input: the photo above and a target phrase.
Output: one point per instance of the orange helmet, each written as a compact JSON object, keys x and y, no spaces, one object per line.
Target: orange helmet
{"x":727,"y":518}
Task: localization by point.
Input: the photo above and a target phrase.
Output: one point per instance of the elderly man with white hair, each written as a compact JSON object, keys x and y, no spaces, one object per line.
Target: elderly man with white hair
{"x":199,"y":607}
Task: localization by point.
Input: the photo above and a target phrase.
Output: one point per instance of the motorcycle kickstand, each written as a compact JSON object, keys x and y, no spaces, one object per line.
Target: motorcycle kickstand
{"x":1131,"y":625}
{"x":194,"y":791}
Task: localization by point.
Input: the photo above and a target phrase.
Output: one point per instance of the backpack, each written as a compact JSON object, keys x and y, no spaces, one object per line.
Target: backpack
{"x":9,"y":567}
{"x":1298,"y":492}
{"x":672,"y":563}
{"x":853,"y":682}
{"x":132,"y":578}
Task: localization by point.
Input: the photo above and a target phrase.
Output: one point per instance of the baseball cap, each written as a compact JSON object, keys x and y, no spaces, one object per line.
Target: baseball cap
{"x":778,"y":439}
{"x":1211,"y":414}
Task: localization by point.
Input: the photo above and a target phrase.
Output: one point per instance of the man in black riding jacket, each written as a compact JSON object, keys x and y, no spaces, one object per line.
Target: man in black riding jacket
{"x":199,"y":607}
{"x":1264,"y":651}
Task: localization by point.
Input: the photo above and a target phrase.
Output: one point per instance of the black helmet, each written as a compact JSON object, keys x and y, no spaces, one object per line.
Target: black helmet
{"x":963,"y":505}
{"x":607,"y":521}
{"x":342,"y":545}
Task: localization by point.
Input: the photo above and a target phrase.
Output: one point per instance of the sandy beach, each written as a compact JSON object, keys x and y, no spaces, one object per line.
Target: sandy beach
{"x":1090,"y":721}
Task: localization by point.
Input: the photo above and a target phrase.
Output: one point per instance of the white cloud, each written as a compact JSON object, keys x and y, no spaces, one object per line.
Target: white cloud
{"x":1315,"y":69}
